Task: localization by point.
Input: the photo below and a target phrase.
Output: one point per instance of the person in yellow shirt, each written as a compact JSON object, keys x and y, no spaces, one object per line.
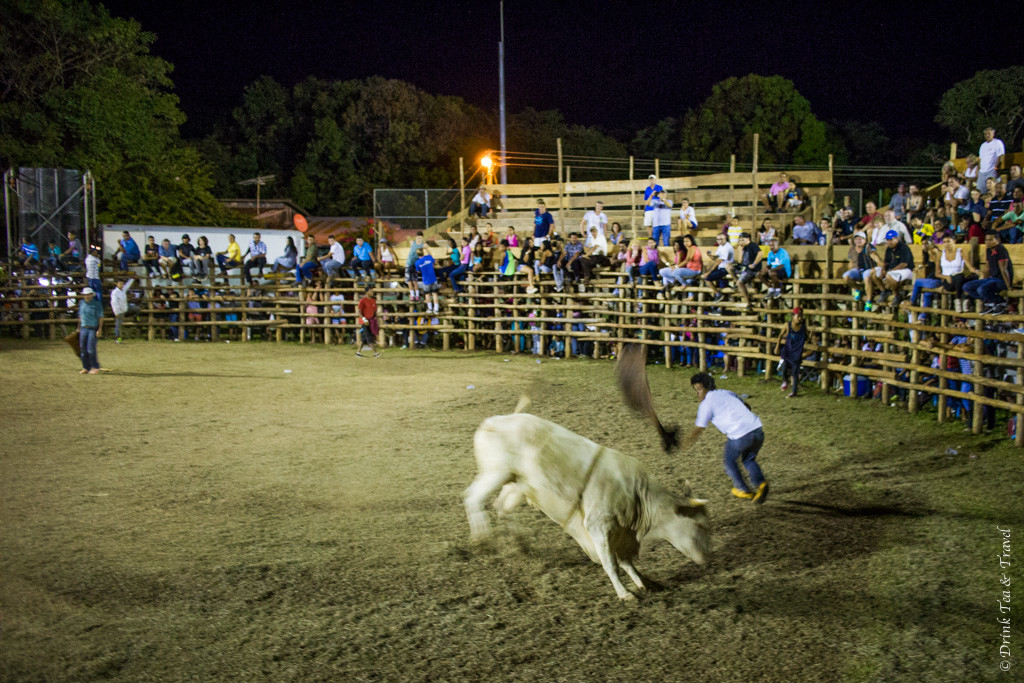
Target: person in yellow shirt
{"x":230,"y":258}
{"x":921,"y":231}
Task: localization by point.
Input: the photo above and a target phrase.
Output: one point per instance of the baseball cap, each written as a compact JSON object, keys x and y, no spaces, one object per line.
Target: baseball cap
{"x":185,"y":237}
{"x":652,"y":177}
{"x":798,"y":311}
{"x":87,"y":290}
{"x":860,"y":233}
{"x":892,"y":234}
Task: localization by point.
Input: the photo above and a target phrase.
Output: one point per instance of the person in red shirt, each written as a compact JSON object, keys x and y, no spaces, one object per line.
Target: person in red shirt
{"x":367,"y":309}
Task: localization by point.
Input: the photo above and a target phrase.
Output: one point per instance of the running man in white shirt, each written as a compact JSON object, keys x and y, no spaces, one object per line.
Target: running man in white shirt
{"x":743,"y":429}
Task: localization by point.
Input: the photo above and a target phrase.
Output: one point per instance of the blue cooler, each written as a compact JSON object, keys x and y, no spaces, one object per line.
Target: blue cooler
{"x":863,"y":385}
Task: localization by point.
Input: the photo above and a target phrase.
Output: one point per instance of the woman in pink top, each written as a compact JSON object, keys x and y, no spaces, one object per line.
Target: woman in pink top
{"x":465,"y":259}
{"x":513,"y":239}
{"x":650,"y":259}
{"x":678,"y":256}
{"x":693,"y":264}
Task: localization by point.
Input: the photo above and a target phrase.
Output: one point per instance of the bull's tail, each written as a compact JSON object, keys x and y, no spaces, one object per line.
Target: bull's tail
{"x":524,"y":401}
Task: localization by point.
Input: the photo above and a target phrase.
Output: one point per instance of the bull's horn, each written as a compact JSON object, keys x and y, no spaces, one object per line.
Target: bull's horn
{"x":524,"y":401}
{"x":697,"y":502}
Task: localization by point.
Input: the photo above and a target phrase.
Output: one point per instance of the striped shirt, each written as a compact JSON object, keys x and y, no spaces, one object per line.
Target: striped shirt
{"x":258,"y":248}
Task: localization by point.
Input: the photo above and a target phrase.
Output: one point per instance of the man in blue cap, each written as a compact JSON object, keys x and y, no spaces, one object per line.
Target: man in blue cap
{"x":896,"y":271}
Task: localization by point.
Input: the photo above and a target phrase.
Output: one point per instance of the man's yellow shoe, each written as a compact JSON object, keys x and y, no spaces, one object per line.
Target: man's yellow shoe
{"x":762,"y":493}
{"x":741,"y":494}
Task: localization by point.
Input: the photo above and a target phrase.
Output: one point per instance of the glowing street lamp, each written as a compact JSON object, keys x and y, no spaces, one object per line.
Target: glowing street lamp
{"x":488,"y":163}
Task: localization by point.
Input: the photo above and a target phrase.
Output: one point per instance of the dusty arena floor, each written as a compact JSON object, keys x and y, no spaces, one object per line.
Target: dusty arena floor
{"x":201,"y":513}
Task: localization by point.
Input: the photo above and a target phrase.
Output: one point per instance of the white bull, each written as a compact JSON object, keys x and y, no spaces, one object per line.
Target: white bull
{"x":604,"y":499}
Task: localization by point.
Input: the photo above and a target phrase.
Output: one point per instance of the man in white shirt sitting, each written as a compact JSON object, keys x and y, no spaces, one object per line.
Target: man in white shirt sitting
{"x":595,"y":254}
{"x":724,"y":257}
{"x":743,"y":429}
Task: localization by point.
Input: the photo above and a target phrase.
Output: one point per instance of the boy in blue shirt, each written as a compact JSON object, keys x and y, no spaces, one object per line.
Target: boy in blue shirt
{"x":778,"y":271}
{"x":425,"y":265}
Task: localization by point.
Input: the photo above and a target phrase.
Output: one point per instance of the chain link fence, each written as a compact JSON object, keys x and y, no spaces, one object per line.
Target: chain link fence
{"x":412,"y":209}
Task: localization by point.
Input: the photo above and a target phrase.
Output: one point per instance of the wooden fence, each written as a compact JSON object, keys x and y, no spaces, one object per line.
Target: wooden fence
{"x":894,"y":350}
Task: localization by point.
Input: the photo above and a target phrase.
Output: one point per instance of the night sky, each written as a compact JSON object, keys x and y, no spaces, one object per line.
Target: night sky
{"x":621,"y":66}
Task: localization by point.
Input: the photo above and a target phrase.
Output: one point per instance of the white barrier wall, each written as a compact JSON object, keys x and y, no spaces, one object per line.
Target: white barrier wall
{"x":218,"y":237}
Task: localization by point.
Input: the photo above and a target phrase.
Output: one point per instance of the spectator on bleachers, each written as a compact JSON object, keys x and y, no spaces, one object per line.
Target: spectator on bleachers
{"x":898,"y":202}
{"x":998,"y":203}
{"x":595,"y":218}
{"x":51,"y":257}
{"x":480,"y":205}
{"x":151,"y":257}
{"x":615,"y":236}
{"x":778,"y":270}
{"x":876,"y":237}
{"x":806,"y":232}
{"x":994,"y":277}
{"x":724,"y":257}
{"x":1016,"y":180}
{"x":922,"y":232}
{"x":926,"y":276}
{"x":167,"y":257}
{"x":202,"y":258}
{"x":668,"y":280}
{"x":766,"y":233}
{"x":845,"y":224}
{"x":1011,"y":222}
{"x":551,"y":252}
{"x":652,"y":188}
{"x":491,"y":237}
{"x":505,"y":261}
{"x":570,"y":262}
{"x":952,"y":269}
{"x":362,"y":266}
{"x":732,"y":232}
{"x":687,"y":217}
{"x":543,"y":222}
{"x":974,"y":205}
{"x":388,"y":259}
{"x":74,"y":254}
{"x":313,"y":297}
{"x":230,"y":257}
{"x":940,"y":230}
{"x":528,"y":262}
{"x":948,"y":171}
{"x":748,"y":266}
{"x":93,"y":263}
{"x":774,"y":199}
{"x":863,"y":259}
{"x":512,"y":238}
{"x":650,"y":260}
{"x":595,"y":254}
{"x":955,"y":195}
{"x":631,"y":265}
{"x":464,"y":264}
{"x":692,"y":263}
{"x":970,"y":174}
{"x":334,"y":260}
{"x":128,"y":250}
{"x":479,"y":262}
{"x":871,"y":212}
{"x":257,"y":249}
{"x":892,"y":223}
{"x":796,"y":198}
{"x":411,"y":279}
{"x":310,"y":260}
{"x":660,"y":215}
{"x":828,"y":230}
{"x":914,"y":203}
{"x":896,"y":271}
{"x":991,"y":155}
{"x":290,"y":258}
{"x":184,"y":251}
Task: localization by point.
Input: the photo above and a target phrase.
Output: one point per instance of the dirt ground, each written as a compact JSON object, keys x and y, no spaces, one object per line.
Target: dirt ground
{"x":203,"y":513}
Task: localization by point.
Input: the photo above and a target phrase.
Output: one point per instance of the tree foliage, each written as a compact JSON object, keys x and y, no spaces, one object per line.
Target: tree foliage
{"x":738,"y":108}
{"x":986,"y":99}
{"x":79,"y":89}
{"x":330,"y":143}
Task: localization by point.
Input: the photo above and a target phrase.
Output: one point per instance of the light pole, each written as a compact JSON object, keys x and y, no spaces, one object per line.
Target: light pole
{"x":501,"y":93}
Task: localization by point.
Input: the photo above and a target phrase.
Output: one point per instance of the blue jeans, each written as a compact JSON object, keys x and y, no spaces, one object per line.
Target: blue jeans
{"x":96,"y":284}
{"x":224,"y":262}
{"x":457,"y":274}
{"x":126,"y":259}
{"x":304,"y":272}
{"x":87,"y":344}
{"x":650,"y":269}
{"x":986,"y":289}
{"x":746,"y":448}
{"x":920,"y":284}
{"x":665,"y":231}
{"x":1010,"y":235}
